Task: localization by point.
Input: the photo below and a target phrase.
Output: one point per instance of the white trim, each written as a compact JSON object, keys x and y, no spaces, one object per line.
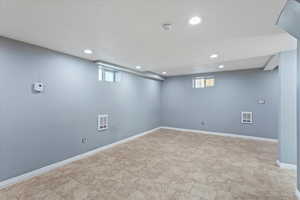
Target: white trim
{"x":297,"y":194}
{"x":286,"y":165}
{"x":221,"y":134}
{"x":48,"y":168}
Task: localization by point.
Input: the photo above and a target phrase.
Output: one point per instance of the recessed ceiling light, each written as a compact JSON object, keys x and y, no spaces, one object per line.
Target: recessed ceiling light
{"x":212,"y":56}
{"x":221,"y":66}
{"x":88,"y":51}
{"x":138,"y":67}
{"x":164,"y":73}
{"x":195,"y":20}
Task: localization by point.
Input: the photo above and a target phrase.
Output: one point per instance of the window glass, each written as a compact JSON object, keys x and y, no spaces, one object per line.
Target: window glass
{"x":199,"y":83}
{"x":109,"y":76}
{"x":210,"y":82}
{"x":117,"y":76}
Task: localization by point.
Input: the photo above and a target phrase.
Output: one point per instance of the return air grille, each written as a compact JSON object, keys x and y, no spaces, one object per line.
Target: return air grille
{"x":246,"y":118}
{"x":102,"y":122}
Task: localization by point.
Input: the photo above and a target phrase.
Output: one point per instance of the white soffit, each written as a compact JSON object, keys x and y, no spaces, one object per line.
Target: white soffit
{"x":272,"y":63}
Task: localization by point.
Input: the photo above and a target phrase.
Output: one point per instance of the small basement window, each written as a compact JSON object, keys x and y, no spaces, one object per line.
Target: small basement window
{"x":198,"y":82}
{"x":203,"y":82}
{"x":108,"y":75}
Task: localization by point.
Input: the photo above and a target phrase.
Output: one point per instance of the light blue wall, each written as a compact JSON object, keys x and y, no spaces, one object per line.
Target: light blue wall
{"x":219,"y":108}
{"x":289,"y":21}
{"x":40,"y":129}
{"x":298,"y":115}
{"x":288,"y":107}
{"x":289,"y":18}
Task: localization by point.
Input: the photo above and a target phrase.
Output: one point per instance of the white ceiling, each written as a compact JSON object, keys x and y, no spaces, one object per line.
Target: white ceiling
{"x":129,"y":32}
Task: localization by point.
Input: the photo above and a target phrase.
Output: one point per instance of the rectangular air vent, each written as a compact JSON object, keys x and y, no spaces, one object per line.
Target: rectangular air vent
{"x":246,"y":118}
{"x":102,"y":122}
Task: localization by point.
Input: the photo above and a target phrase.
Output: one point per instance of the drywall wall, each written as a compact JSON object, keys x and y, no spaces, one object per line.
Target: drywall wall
{"x":219,"y":108}
{"x":298,"y":116}
{"x":41,"y":129}
{"x":288,"y":107}
{"x":288,"y":21}
{"x":289,"y":18}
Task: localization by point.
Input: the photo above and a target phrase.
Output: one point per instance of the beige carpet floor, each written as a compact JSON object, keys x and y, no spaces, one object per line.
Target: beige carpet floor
{"x":167,"y":165}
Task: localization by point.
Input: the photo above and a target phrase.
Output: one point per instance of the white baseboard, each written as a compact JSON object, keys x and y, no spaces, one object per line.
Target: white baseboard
{"x":297,"y":194}
{"x":286,"y":165}
{"x":48,"y":168}
{"x":221,"y":134}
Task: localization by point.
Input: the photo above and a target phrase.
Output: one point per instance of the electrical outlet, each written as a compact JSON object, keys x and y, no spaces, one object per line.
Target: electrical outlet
{"x":84,"y":140}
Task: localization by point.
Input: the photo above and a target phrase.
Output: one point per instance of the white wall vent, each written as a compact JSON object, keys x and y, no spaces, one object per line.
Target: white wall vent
{"x":246,"y":118}
{"x":102,"y":122}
